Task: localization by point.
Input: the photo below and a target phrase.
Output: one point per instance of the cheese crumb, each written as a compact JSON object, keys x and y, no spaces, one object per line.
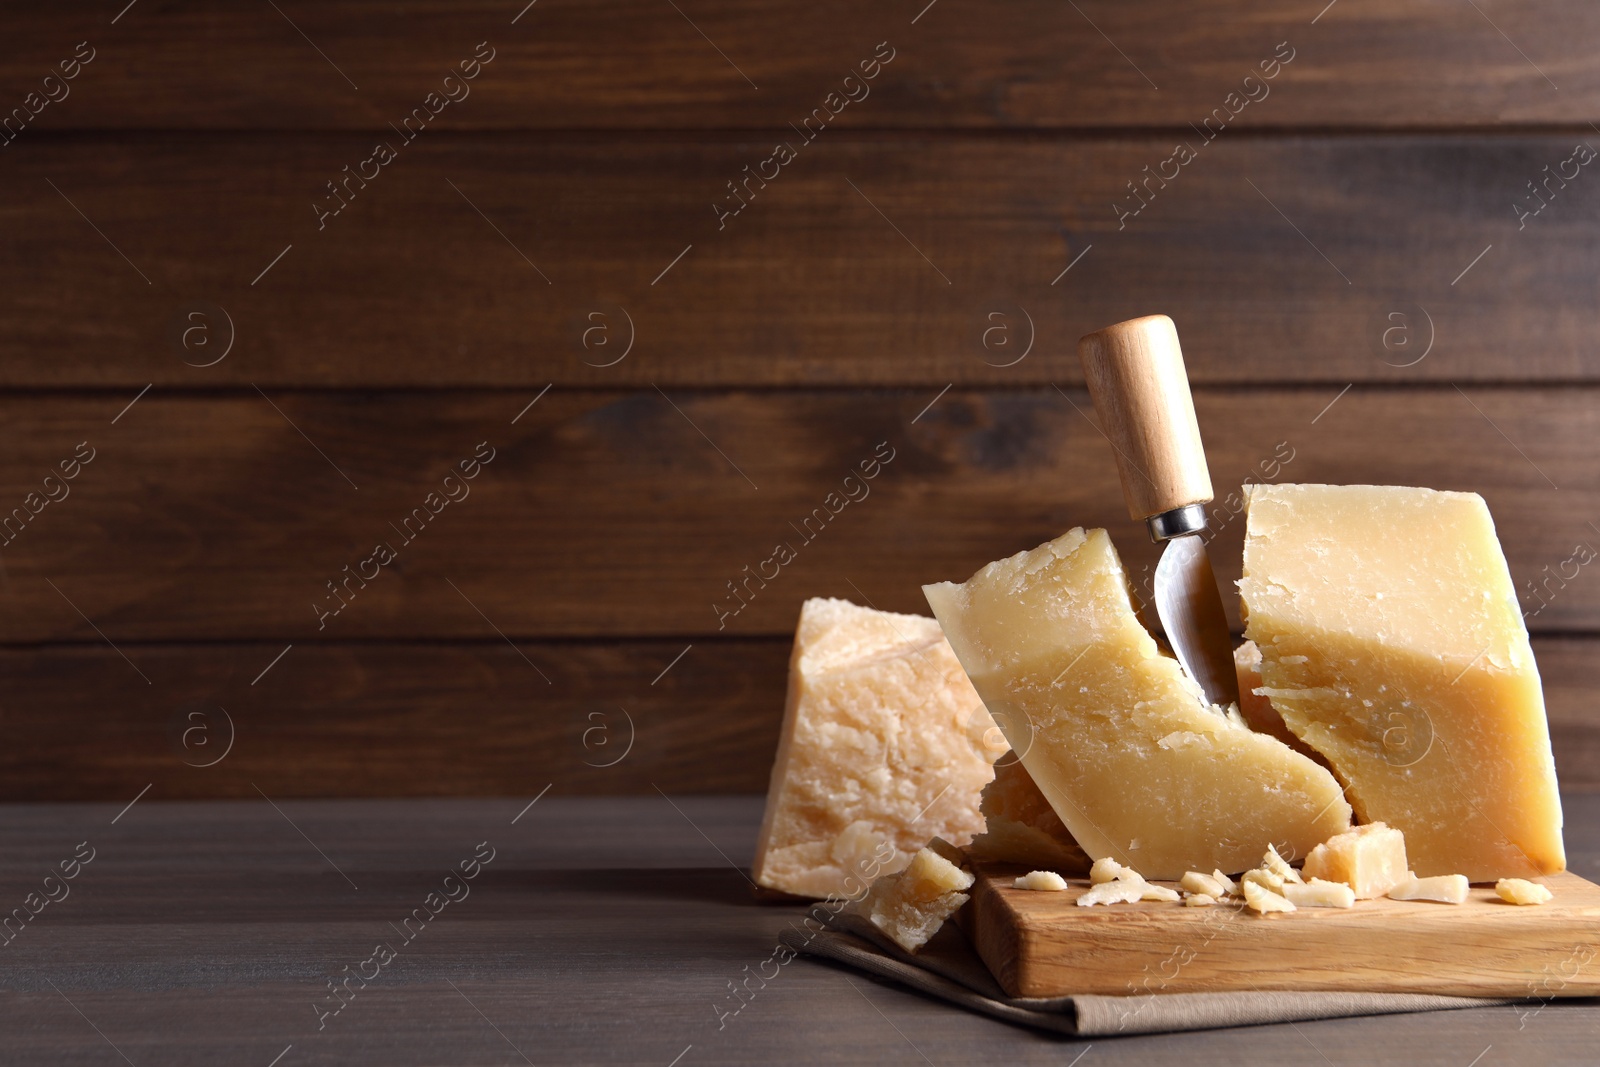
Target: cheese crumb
{"x":1263,"y":900}
{"x":1229,"y":886}
{"x":1370,"y":859}
{"x":1147,"y":890}
{"x":1158,"y":892}
{"x":1279,"y":866}
{"x":1113,"y":883}
{"x":1444,"y":888}
{"x":1201,"y":885}
{"x":1522,"y":891}
{"x":1269,"y":880}
{"x":1199,"y":900}
{"x":1116,"y":891}
{"x":1319,"y":894}
{"x":1042,"y":881}
{"x":1104,"y":870}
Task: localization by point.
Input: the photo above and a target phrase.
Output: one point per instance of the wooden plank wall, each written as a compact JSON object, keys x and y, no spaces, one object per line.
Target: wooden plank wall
{"x":559,"y":275}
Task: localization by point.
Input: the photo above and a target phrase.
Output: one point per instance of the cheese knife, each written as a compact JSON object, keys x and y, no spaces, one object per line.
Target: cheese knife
{"x":1136,"y":376}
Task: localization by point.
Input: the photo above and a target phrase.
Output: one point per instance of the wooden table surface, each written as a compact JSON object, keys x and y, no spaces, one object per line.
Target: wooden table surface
{"x":601,"y":931}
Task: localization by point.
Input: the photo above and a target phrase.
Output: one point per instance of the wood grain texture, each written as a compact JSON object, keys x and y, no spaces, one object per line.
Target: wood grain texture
{"x":627,"y":64}
{"x":1044,"y":945}
{"x":560,"y":227}
{"x":465,"y":719}
{"x":604,"y":931}
{"x":392,"y":719}
{"x":629,"y":514}
{"x":1135,"y":375}
{"x":476,"y":260}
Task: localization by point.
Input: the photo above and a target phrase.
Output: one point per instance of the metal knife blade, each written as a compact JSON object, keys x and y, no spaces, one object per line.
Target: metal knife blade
{"x":1189,"y":605}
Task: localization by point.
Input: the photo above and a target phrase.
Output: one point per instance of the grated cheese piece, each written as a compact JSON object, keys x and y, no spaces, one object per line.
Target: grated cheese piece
{"x":1279,"y":866}
{"x":1116,"y":891}
{"x":1269,"y":880}
{"x":1105,"y":869}
{"x":1265,"y":901}
{"x":1444,"y":888}
{"x":1522,"y":891}
{"x":1041,"y":881}
{"x":1159,"y":892}
{"x":1201,"y":884}
{"x":1319,"y":894}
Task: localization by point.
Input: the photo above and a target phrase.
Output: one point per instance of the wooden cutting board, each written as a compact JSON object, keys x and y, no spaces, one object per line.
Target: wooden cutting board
{"x":1044,"y":945}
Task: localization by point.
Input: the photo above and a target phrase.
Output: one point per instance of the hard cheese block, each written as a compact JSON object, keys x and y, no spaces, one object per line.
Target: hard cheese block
{"x":1391,"y":643}
{"x":1119,"y":739}
{"x":884,"y":746}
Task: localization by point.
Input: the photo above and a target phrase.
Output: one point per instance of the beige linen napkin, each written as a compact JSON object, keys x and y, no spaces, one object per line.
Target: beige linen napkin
{"x":949,"y":969}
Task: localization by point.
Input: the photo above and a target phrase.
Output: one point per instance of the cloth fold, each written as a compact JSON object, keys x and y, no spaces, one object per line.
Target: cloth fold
{"x":949,"y":969}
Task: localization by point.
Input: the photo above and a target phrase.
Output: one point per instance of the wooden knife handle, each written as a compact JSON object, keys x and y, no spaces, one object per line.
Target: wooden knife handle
{"x":1141,"y":390}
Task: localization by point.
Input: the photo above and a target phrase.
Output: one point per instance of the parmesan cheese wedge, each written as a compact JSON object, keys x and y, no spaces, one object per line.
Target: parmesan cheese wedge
{"x":884,"y":745}
{"x":1392,"y":643}
{"x":1121,"y":742}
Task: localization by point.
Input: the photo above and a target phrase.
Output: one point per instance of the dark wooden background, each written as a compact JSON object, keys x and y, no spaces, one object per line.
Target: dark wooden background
{"x":904,"y":280}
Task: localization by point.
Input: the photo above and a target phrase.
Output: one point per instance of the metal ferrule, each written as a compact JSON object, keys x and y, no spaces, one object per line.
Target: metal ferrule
{"x":1189,"y":519}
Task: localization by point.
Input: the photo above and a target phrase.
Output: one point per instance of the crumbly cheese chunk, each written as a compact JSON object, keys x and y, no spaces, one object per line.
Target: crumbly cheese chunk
{"x":1021,"y":826}
{"x":1393,"y":644}
{"x":1522,"y":891}
{"x":1199,"y":900}
{"x":948,"y":851}
{"x":1444,"y":888}
{"x":909,"y":907}
{"x":1370,"y":859}
{"x":1228,"y":885}
{"x":883,"y":746}
{"x":1264,"y":901}
{"x":1041,"y":881}
{"x":1119,"y":739}
{"x":1319,"y":894}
